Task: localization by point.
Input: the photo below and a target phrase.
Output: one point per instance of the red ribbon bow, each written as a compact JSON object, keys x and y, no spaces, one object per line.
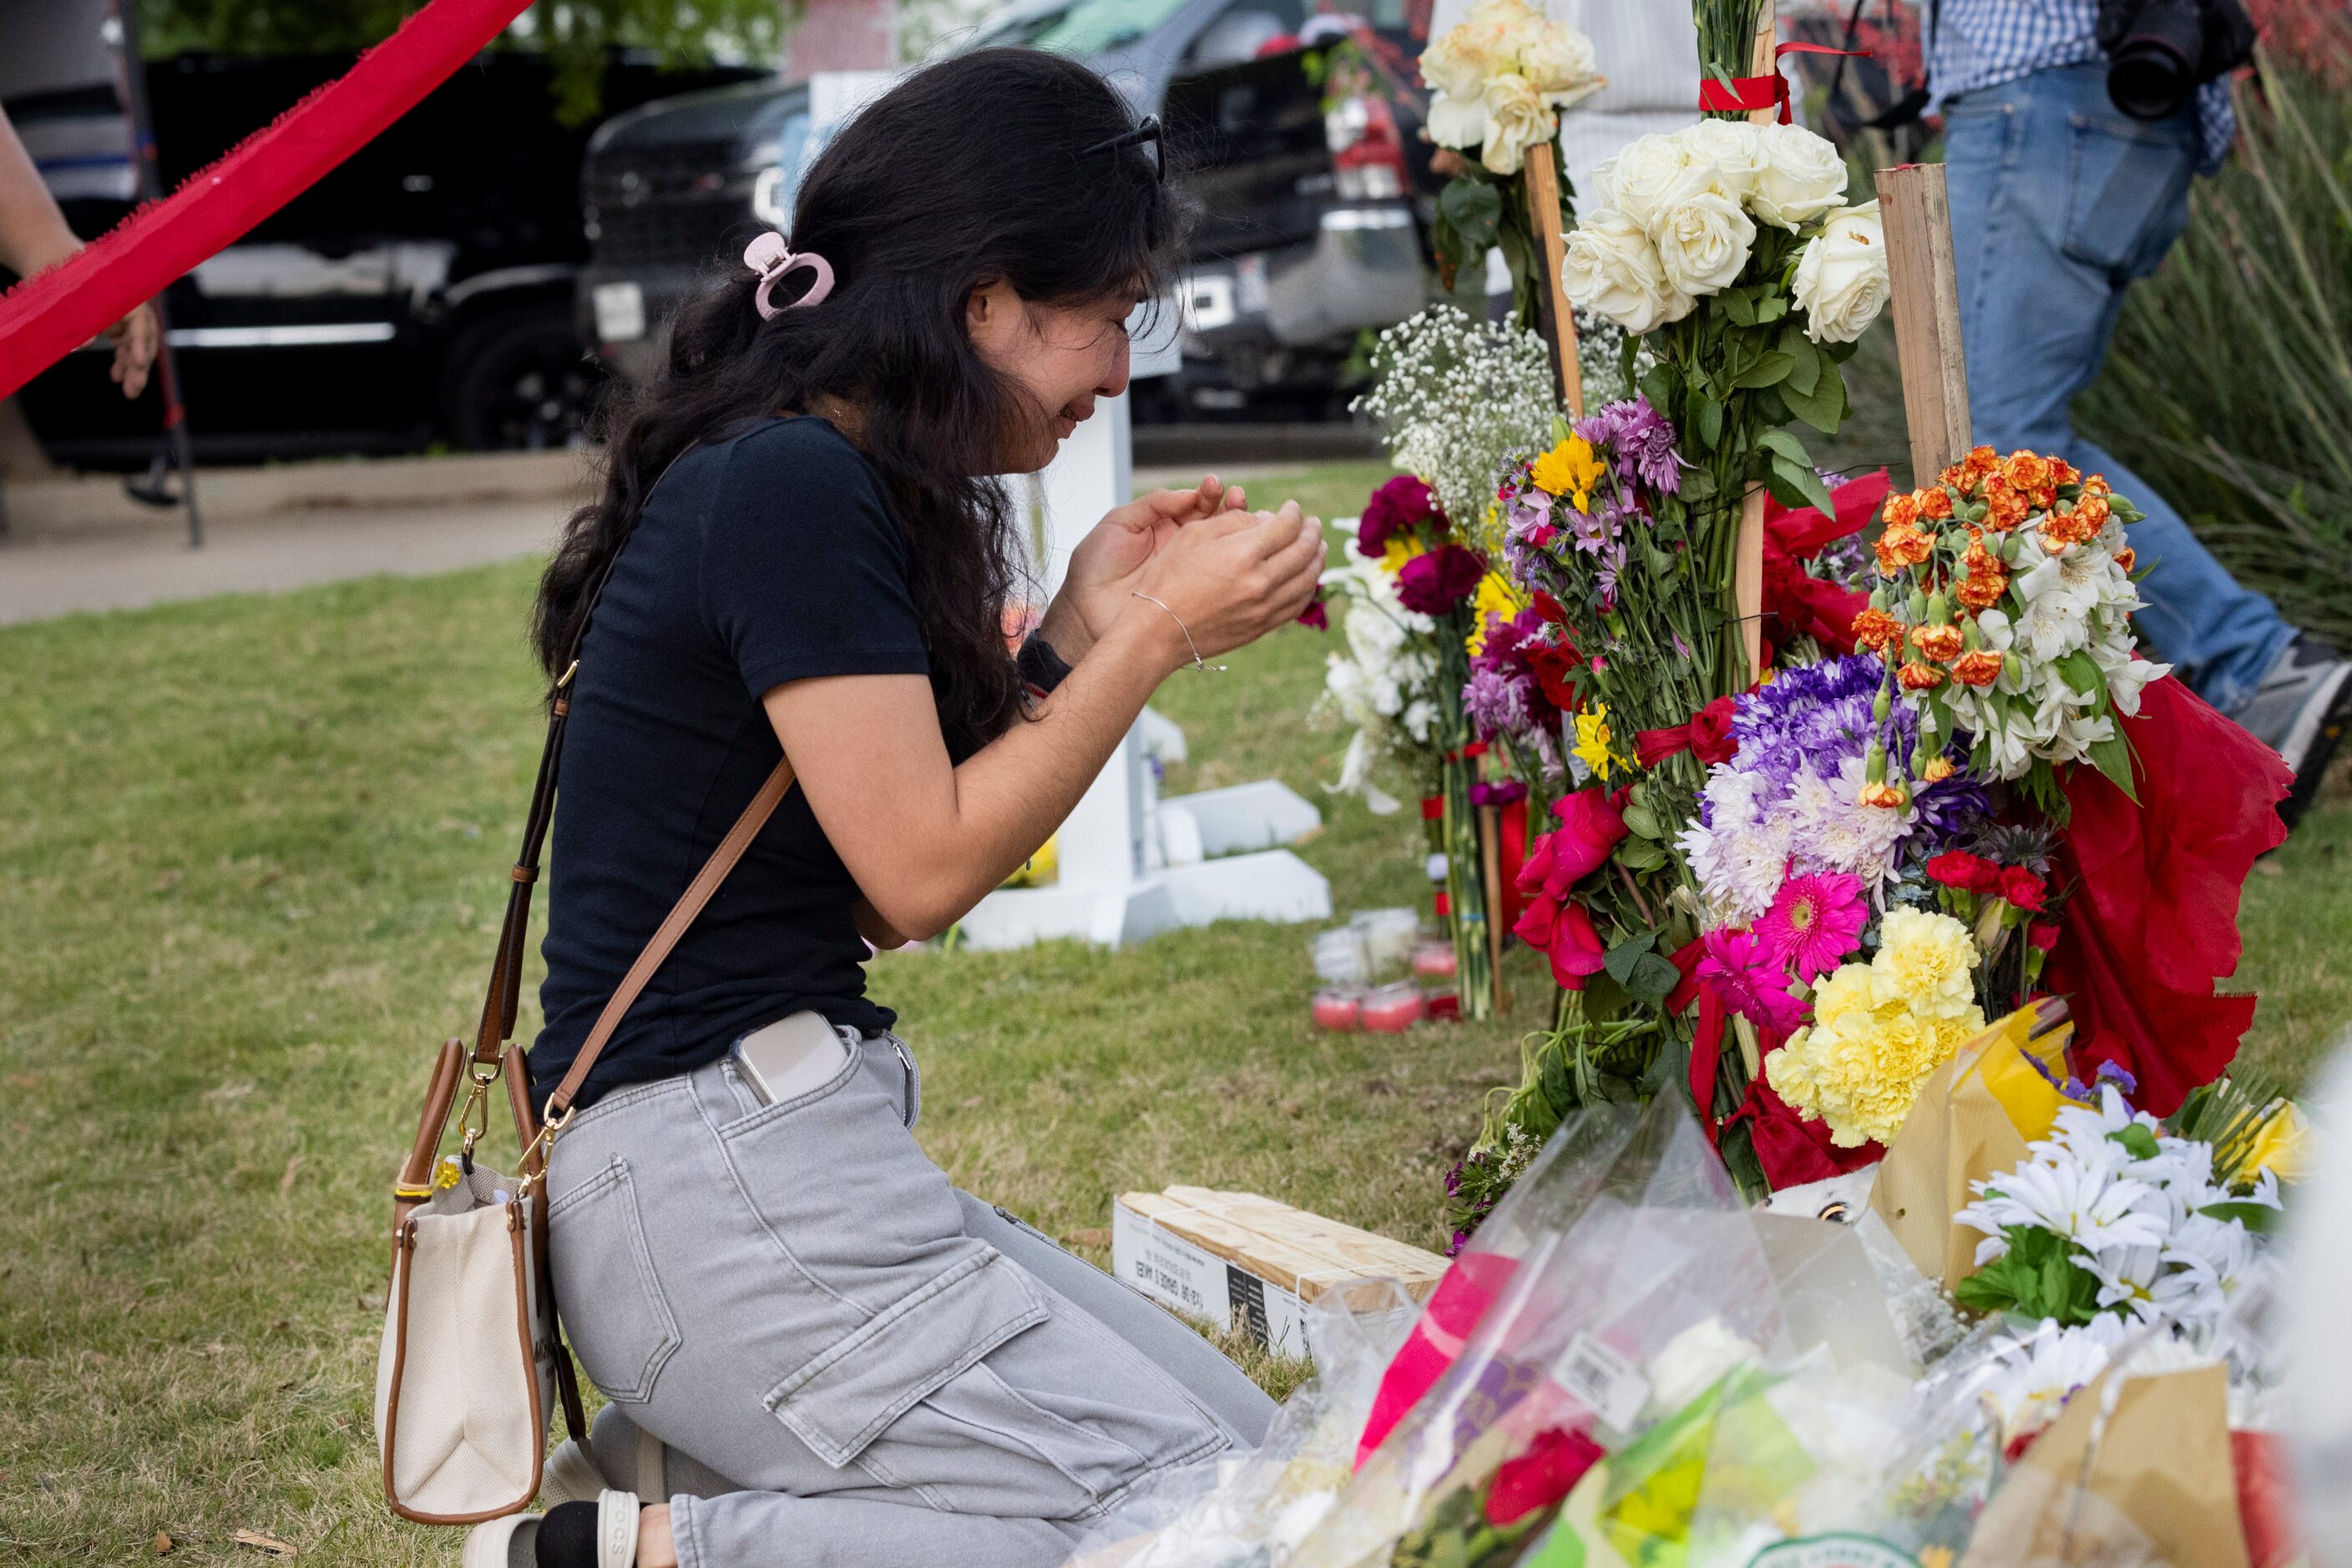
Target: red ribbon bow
{"x":1747,"y":94}
{"x":1706,"y":736}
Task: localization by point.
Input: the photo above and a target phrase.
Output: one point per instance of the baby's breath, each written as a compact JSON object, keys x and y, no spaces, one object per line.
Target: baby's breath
{"x":1457,"y":396}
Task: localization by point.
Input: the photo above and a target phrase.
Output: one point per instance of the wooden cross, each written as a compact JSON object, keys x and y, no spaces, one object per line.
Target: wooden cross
{"x":1924,"y":292}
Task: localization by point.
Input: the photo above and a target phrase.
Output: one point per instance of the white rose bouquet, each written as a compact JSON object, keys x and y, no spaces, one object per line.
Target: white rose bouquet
{"x":1498,"y":80}
{"x":1499,"y":77}
{"x":1729,"y":248}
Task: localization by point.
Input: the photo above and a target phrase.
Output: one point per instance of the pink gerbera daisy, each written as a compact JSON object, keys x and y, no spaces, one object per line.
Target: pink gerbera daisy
{"x":1815,"y":922}
{"x":1749,"y":980}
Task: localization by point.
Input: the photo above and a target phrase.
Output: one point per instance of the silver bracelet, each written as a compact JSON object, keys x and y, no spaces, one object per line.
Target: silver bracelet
{"x":1198,"y":664}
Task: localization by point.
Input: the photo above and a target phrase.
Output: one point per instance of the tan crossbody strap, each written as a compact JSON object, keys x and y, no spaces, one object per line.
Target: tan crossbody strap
{"x":698,"y":893}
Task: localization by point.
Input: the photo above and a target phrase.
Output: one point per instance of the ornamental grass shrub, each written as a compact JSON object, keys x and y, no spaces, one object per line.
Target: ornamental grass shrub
{"x":2229,"y":387}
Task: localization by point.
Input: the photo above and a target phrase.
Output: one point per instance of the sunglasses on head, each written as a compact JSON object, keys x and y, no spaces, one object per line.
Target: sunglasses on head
{"x":1146,"y":131}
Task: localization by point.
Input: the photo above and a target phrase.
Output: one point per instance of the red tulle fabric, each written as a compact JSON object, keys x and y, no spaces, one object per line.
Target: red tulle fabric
{"x":1796,"y":605}
{"x":2151,"y":919}
{"x":46,"y":318}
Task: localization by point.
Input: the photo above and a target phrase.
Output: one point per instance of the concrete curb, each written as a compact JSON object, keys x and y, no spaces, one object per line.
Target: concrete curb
{"x":95,"y":505}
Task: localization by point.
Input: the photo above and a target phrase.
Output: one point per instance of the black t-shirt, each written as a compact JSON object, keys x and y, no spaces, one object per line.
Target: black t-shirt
{"x":765,"y":557}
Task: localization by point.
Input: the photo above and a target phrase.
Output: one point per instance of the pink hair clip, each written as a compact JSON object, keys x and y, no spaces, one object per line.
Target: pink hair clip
{"x":770,"y":258}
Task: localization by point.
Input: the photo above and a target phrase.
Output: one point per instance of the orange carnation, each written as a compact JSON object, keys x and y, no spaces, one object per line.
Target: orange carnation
{"x":1938,"y":770}
{"x":1902,"y":511}
{"x":2005,"y":505}
{"x":2079,"y":525}
{"x":1901,"y":547}
{"x":2126,"y":558}
{"x":1987,"y":580}
{"x":1981,"y":668}
{"x":1874,"y":630}
{"x":1916,"y":676}
{"x":1942,"y":644}
{"x":1936,"y":502}
{"x":1879,"y":794}
{"x":2026,"y":471}
{"x":2063,"y":472}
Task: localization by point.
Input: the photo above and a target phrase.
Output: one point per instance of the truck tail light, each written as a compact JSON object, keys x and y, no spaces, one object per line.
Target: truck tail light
{"x":1367,"y":154}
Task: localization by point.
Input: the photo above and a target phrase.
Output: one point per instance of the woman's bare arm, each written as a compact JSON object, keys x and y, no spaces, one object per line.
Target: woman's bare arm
{"x":925,"y":840}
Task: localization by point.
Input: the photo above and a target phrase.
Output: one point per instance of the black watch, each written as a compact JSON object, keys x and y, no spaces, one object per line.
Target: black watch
{"x":1039,"y":665}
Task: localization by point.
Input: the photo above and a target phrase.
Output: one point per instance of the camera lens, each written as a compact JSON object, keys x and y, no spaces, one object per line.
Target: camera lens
{"x":2152,"y":67}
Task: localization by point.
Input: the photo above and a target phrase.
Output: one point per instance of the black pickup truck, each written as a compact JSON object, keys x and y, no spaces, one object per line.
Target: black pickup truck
{"x":1297,"y":131}
{"x":421,"y":292}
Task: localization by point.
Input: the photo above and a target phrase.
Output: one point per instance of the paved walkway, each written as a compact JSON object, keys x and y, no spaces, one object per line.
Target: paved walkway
{"x":300,"y":527}
{"x":124,"y":566}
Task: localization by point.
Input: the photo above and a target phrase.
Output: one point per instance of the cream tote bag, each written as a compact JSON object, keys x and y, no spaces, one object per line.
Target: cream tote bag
{"x":472,"y":1355}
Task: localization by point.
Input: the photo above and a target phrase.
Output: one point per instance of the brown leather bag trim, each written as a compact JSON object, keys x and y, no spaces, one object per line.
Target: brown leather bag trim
{"x":407,"y":1242}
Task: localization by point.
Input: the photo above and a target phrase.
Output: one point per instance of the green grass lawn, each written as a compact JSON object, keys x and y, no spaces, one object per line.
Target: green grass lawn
{"x":252,"y":856}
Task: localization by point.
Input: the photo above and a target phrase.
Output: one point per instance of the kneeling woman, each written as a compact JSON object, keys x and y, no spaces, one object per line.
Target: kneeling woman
{"x":838,"y":1357}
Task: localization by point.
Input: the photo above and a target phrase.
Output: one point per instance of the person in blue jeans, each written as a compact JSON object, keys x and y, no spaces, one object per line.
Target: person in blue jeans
{"x":2058,"y":201}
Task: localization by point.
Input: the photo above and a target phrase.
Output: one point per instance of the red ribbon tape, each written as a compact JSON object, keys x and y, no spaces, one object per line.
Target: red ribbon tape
{"x":47,"y":317}
{"x":1747,"y":94}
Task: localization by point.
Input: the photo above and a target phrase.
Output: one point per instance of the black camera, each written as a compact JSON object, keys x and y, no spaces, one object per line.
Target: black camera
{"x":2160,"y":51}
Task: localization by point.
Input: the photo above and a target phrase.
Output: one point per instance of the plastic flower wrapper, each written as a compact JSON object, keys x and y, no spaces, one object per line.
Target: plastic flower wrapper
{"x":1617,"y":1246}
{"x":1254,"y":1510}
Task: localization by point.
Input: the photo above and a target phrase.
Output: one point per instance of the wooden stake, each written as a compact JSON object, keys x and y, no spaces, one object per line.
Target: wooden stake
{"x":1490,"y":853}
{"x":1764,"y":61}
{"x":1925,"y":294}
{"x":1552,"y":298}
{"x":1747,"y":557}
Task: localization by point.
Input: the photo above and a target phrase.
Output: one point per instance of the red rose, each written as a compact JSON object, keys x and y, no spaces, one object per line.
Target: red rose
{"x":2042,"y":935}
{"x":1711,"y":739}
{"x":1592,"y":824}
{"x":1969,"y":873}
{"x":2022,"y":888}
{"x":1539,"y":1477}
{"x":1563,"y":933}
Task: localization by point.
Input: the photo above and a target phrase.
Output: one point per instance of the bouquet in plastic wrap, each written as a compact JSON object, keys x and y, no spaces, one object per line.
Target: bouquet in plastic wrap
{"x":1628,"y":1367}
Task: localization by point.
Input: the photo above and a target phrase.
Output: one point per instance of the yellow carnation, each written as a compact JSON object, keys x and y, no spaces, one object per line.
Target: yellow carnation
{"x":1926,"y":962}
{"x":1879,"y":1029}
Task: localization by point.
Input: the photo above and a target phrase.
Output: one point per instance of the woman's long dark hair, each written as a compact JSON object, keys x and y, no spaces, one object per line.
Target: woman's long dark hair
{"x":971,"y":171}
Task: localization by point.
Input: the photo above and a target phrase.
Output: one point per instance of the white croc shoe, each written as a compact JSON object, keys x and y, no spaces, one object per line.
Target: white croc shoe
{"x":513,"y":1542}
{"x":570,"y":1475}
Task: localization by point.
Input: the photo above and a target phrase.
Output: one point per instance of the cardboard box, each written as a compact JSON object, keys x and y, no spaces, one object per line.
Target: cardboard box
{"x":1252,"y":1263}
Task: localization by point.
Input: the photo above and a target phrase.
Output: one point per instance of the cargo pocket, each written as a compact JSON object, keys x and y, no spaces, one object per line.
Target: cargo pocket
{"x":613,"y":1311}
{"x":2126,"y":193}
{"x":843,"y":1398}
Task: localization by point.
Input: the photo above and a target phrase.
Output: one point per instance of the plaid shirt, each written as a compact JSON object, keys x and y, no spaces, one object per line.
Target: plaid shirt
{"x":1983,"y":43}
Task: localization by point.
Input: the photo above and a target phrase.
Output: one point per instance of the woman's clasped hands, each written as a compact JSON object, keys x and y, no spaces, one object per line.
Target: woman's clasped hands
{"x":1215,"y":575}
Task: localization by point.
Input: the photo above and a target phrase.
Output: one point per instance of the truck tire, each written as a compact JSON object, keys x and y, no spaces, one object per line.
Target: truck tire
{"x":519,"y":379}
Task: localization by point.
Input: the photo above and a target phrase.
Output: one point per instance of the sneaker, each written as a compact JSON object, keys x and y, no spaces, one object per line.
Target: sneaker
{"x":600,"y":1534}
{"x":2300,"y":710}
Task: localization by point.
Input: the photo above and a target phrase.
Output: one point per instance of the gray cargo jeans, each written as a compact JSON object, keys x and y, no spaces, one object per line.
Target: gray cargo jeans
{"x":794,"y":1298}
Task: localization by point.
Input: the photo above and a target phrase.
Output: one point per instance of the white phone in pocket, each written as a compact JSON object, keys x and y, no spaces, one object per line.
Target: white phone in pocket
{"x":791,"y":1057}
